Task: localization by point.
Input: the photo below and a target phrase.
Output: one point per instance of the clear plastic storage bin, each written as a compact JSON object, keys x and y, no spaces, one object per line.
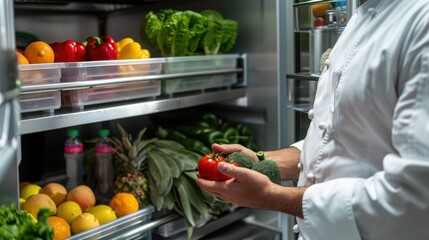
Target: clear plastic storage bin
{"x":122,"y":228}
{"x":113,"y":69}
{"x":196,"y":64}
{"x":36,"y":74}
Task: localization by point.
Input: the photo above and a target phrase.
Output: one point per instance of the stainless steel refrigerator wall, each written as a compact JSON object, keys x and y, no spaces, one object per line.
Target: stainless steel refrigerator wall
{"x":9,"y":108}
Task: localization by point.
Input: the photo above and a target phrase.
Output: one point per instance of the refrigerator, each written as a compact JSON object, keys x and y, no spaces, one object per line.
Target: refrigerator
{"x":273,"y":59}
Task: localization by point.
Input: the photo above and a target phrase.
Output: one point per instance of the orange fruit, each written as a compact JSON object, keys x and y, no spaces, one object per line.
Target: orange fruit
{"x":84,"y":222}
{"x":69,"y":210}
{"x":82,"y":195}
{"x":35,"y":202}
{"x":21,"y":58}
{"x":39,"y":52}
{"x":124,"y":204}
{"x":319,"y":9}
{"x":60,"y":227}
{"x":56,"y":192}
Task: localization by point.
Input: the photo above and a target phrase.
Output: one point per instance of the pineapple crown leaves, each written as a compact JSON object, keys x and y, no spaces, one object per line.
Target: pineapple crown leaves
{"x":129,"y":151}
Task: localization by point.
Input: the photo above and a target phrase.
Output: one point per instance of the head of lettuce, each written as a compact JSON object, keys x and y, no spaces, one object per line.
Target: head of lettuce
{"x":187,"y":33}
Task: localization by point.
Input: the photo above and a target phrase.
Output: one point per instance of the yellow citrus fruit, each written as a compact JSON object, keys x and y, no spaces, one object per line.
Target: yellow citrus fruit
{"x":124,"y":203}
{"x":39,"y":52}
{"x":28,"y":190}
{"x":21,"y":58}
{"x":21,"y":202}
{"x":23,"y":184}
{"x":69,"y":210}
{"x":35,"y":202}
{"x":60,"y":227}
{"x":84,"y":222}
{"x":56,"y":192}
{"x":103,"y":213}
{"x":319,"y":9}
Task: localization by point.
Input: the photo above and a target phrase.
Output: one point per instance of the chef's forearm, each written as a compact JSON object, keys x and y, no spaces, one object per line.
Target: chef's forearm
{"x":287,"y":159}
{"x":287,"y":200}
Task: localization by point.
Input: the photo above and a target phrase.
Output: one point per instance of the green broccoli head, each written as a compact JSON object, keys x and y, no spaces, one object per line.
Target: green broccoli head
{"x":268,"y":168}
{"x":241,"y":159}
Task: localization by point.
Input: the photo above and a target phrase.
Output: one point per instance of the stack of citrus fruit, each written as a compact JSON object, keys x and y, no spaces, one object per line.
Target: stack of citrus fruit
{"x":74,"y":211}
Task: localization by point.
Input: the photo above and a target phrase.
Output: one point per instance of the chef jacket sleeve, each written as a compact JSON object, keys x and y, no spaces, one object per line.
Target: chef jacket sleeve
{"x":298,"y":145}
{"x":393,"y":203}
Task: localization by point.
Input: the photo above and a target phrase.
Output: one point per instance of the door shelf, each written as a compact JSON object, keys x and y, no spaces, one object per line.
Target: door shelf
{"x":301,"y":91}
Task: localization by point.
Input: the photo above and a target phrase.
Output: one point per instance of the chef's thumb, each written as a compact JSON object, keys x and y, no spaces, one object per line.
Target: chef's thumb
{"x":231,"y":170}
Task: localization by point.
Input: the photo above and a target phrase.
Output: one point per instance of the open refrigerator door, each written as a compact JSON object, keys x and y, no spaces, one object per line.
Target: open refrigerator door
{"x":9,"y":108}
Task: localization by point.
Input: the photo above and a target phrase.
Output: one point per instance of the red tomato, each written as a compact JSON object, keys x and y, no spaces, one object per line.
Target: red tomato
{"x":207,"y":167}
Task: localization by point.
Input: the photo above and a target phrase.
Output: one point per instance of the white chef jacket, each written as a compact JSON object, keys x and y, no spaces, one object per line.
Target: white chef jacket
{"x":366,"y":154}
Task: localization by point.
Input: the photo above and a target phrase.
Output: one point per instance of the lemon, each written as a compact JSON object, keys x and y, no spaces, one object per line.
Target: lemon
{"x":103,"y":213}
{"x":69,"y":210}
{"x":28,"y":190}
{"x":21,"y":203}
{"x":84,"y":222}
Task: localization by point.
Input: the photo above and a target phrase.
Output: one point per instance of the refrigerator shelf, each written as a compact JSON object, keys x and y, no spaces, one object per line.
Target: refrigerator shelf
{"x":31,"y":123}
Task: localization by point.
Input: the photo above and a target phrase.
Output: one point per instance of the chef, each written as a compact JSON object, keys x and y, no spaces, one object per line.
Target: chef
{"x":363,"y":168}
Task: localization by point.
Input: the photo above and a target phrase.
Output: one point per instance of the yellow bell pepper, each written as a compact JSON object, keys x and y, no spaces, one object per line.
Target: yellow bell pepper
{"x":129,"y":49}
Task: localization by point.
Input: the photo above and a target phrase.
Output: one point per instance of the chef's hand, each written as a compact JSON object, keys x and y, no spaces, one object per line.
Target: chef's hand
{"x":247,"y":188}
{"x":226,"y":149}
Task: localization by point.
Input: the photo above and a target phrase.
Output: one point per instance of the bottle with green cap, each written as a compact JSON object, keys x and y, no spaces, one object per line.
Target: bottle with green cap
{"x":104,"y":165}
{"x":73,"y":154}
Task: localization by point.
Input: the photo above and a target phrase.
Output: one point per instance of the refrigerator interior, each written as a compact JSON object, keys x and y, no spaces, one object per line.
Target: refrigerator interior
{"x":263,"y":36}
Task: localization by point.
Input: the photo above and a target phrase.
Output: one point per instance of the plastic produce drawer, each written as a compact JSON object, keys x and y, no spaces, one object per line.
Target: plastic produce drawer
{"x":102,"y":70}
{"x":125,"y":227}
{"x":196,"y":64}
{"x":36,"y":74}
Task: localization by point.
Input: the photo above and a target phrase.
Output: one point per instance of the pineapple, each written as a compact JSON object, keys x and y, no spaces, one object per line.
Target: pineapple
{"x":130,"y":161}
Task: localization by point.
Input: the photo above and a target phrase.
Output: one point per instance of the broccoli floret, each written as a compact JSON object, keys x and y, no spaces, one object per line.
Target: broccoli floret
{"x":241,"y":159}
{"x":268,"y":168}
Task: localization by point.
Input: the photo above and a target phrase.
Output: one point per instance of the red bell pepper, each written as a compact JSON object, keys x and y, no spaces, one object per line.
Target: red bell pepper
{"x":69,"y":51}
{"x":101,"y":48}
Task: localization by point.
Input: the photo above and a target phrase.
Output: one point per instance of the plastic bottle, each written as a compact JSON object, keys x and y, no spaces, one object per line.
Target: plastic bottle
{"x":73,"y":153}
{"x":104,"y":165}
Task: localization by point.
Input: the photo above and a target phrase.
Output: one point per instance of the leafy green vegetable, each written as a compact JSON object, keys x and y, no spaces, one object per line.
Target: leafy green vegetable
{"x":185,"y":33}
{"x":221,"y":34}
{"x":16,"y":224}
{"x":174,"y":33}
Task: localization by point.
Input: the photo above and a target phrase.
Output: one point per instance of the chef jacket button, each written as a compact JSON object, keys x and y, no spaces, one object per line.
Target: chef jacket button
{"x":327,"y":62}
{"x":295,"y":228}
{"x":371,"y":11}
{"x":311,"y":114}
{"x":311,"y":178}
{"x":299,"y":166}
{"x":323,"y":125}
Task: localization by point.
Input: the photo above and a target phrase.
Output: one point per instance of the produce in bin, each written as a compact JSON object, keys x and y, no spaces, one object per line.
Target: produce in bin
{"x":170,"y":170}
{"x":101,"y":48}
{"x":187,"y":33}
{"x":221,"y":33}
{"x":129,"y":49}
{"x":69,"y":51}
{"x":39,"y":52}
{"x":18,"y":224}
